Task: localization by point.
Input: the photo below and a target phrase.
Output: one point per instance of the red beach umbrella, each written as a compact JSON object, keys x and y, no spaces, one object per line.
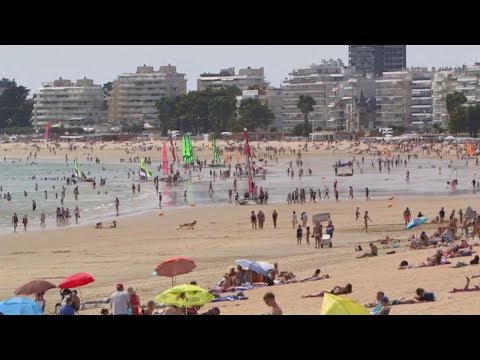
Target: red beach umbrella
{"x":76,"y":280}
{"x":174,"y":266}
{"x":34,"y":287}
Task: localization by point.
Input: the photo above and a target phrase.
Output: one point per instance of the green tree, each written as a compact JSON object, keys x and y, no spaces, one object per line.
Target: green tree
{"x":107,"y":88}
{"x":457,"y":116}
{"x":167,"y":113}
{"x":221,"y":110}
{"x":454,"y":101}
{"x":457,"y":122}
{"x":15,"y":108}
{"x":253,"y":114}
{"x":305,"y":103}
{"x":299,"y":129}
{"x":472,"y":114}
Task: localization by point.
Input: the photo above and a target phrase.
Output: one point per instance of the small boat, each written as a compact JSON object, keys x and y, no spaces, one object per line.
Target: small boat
{"x":250,"y":201}
{"x":345,"y":174}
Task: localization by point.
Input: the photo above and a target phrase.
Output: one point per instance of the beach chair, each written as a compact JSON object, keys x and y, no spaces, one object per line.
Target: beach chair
{"x":326,"y":241}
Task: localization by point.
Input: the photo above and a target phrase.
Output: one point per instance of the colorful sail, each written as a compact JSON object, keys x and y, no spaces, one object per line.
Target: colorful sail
{"x":47,"y":130}
{"x":248,"y":153}
{"x":469,"y":149}
{"x":164,"y":159}
{"x":173,"y":148}
{"x":187,"y":151}
{"x":216,"y":157}
{"x":144,"y":172}
{"x":78,"y":171}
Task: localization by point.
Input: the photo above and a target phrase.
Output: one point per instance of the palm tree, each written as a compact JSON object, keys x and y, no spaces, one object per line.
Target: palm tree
{"x":305,"y":103}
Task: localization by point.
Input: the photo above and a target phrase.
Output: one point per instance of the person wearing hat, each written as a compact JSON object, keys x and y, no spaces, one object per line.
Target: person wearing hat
{"x":385,"y":310}
{"x":120,"y":301}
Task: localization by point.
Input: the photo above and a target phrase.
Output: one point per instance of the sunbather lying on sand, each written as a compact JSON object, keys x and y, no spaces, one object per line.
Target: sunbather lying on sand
{"x":99,"y":225}
{"x":437,"y":259}
{"x":316,"y":276}
{"x":422,"y":296}
{"x":337,"y":290}
{"x":225,"y":285}
{"x":466,"y":288}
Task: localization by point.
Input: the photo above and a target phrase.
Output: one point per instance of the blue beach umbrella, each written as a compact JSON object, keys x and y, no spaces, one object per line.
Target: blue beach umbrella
{"x":415,"y":222}
{"x":252,"y":266}
{"x":20,"y":306}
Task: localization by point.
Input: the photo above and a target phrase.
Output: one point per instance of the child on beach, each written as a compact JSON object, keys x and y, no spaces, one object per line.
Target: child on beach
{"x":307,"y":235}
{"x":299,"y":235}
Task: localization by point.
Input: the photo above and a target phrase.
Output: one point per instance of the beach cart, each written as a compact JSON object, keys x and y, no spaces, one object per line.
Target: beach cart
{"x":326,"y":241}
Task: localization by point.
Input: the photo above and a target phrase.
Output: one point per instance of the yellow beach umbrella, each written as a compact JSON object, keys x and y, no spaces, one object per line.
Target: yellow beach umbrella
{"x":185,"y":296}
{"x":337,"y":305}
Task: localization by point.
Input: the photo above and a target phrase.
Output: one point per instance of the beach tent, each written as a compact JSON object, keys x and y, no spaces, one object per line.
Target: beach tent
{"x":338,"y":305}
{"x":470,"y":214}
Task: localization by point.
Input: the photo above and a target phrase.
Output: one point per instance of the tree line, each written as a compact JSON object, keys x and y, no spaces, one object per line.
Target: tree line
{"x":462,"y":119}
{"x":15,"y":109}
{"x":212,"y":110}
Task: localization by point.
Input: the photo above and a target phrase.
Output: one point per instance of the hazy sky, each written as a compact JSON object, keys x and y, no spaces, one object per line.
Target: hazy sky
{"x":31,"y":65}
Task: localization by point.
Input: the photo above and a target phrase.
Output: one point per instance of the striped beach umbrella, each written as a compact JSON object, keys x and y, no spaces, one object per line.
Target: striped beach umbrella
{"x":252,"y":266}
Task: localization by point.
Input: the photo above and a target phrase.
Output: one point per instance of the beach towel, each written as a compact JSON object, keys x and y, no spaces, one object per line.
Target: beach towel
{"x":229,"y":298}
{"x":376,"y":309}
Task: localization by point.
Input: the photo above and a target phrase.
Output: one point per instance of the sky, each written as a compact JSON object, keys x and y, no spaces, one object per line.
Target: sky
{"x":30,"y":65}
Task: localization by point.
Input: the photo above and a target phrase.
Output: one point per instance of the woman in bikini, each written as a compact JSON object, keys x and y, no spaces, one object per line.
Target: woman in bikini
{"x":467,"y":288}
{"x":337,"y":290}
{"x":316,"y":276}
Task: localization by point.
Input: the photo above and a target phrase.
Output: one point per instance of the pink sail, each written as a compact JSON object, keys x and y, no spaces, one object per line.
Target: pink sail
{"x":164,"y":159}
{"x":173,"y":149}
{"x":248,"y":153}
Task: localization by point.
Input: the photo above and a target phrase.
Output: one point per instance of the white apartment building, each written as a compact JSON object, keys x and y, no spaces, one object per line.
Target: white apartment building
{"x":421,"y":102}
{"x":245,"y":79}
{"x":134,"y":95}
{"x":69,"y":104}
{"x":393,"y":99}
{"x":322,"y":83}
{"x":444,"y":83}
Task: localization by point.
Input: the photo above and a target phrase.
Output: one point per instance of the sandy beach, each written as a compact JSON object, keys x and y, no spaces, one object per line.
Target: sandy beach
{"x":129,"y":254}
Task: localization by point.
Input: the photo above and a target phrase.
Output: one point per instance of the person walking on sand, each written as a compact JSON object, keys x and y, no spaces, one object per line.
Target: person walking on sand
{"x":367,"y":192}
{"x":34,"y":205}
{"x":357,"y":213}
{"x":299,"y":235}
{"x":230,"y":193}
{"x":15,"y":221}
{"x":253,"y":220}
{"x":366,"y":218}
{"x":117,"y":204}
{"x":307,"y":235}
{"x":160,"y":199}
{"x":269,"y":299}
{"x":294,"y":220}
{"x":407,"y":216}
{"x":274,"y":218}
{"x":350,"y":194}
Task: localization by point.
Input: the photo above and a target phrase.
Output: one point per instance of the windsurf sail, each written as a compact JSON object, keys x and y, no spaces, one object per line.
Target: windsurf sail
{"x":47,"y":129}
{"x":216,"y":157}
{"x":164,"y":159}
{"x":144,"y":172}
{"x":173,"y":149}
{"x":78,"y":171}
{"x":248,"y":154}
{"x":187,"y":151}
{"x":469,"y":149}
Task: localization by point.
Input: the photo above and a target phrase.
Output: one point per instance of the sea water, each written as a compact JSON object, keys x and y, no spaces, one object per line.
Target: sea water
{"x":99,"y":204}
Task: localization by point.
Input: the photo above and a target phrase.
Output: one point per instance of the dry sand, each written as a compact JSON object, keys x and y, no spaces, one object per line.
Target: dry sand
{"x":129,"y":254}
